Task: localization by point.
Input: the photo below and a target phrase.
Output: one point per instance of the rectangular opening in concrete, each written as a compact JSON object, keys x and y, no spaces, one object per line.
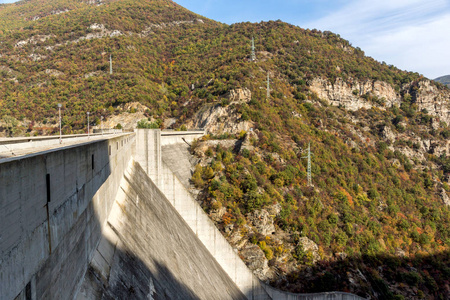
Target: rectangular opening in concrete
{"x":47,"y":181}
{"x":92,"y":161}
{"x":28,"y":291}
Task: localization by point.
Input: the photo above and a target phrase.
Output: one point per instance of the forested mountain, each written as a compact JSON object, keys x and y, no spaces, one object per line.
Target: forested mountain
{"x":377,"y":220}
{"x":444,"y":80}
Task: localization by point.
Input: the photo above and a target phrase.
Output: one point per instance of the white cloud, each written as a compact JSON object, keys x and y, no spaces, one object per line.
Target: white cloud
{"x":410,"y":34}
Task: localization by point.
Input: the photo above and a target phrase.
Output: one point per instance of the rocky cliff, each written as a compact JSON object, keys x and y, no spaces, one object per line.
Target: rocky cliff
{"x":352,"y":94}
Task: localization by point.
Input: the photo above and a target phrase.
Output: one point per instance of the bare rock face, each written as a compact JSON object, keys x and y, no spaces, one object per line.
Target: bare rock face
{"x":445,"y":197}
{"x":217,"y":119}
{"x":310,"y":246}
{"x":33,"y":40}
{"x":400,"y":252}
{"x":349,"y":94}
{"x":439,"y":148}
{"x":255,"y":260}
{"x":53,"y":72}
{"x":428,"y":96}
{"x":240,"y":95}
{"x":132,"y":113}
{"x":247,"y":142}
{"x":388,"y":134}
{"x":133,"y":106}
{"x":217,"y":214}
{"x":202,"y":146}
{"x":275,"y":209}
{"x":262,"y":221}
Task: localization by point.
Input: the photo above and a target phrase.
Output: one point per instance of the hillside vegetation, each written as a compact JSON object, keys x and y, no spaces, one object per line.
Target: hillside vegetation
{"x":444,"y":80}
{"x":376,"y":222}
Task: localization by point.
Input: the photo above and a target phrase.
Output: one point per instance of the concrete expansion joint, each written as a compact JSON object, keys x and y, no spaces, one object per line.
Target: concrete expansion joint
{"x":113,"y":229}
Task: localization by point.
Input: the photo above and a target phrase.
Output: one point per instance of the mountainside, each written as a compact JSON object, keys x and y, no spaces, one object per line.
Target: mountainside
{"x":377,"y":220}
{"x":444,"y":80}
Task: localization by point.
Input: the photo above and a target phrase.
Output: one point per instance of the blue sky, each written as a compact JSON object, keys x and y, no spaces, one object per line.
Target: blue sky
{"x":413,"y":35}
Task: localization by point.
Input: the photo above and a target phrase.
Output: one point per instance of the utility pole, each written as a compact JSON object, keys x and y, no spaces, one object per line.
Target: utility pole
{"x":309,"y":166}
{"x":268,"y":85}
{"x":88,"y":123}
{"x":253,"y":57}
{"x":101,"y":120}
{"x":60,"y":135}
{"x":110,"y":65}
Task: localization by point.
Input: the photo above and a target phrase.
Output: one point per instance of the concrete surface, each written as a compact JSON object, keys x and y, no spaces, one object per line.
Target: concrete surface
{"x":12,"y":147}
{"x":151,"y":253}
{"x":66,"y":232}
{"x":149,"y":154}
{"x":174,"y":183}
{"x":49,"y":228}
{"x":174,"y":137}
{"x":178,"y":158}
{"x":198,"y":220}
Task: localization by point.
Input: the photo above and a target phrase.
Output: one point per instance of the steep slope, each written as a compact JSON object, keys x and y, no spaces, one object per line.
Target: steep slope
{"x":64,"y":58}
{"x":165,"y":57}
{"x":377,"y":220}
{"x":444,"y":80}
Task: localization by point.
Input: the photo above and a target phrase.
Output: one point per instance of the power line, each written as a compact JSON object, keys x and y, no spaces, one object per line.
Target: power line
{"x":110,"y":65}
{"x":309,"y":166}
{"x":253,"y":57}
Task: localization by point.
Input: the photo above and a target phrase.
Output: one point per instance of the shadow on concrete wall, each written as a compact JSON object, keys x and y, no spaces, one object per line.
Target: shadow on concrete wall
{"x":52,"y":205}
{"x":64,"y":236}
{"x":131,"y":279}
{"x":149,"y":252}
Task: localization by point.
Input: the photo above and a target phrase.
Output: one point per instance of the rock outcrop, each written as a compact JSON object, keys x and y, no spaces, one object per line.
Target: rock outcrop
{"x":240,"y":95}
{"x":247,"y":142}
{"x":427,"y":96}
{"x":218,"y":119}
{"x":349,"y":94}
{"x":310,"y":247}
{"x":202,"y":146}
{"x":262,"y":222}
{"x":256,"y":260}
{"x":131,"y":114}
{"x":352,"y":95}
{"x":445,"y":197}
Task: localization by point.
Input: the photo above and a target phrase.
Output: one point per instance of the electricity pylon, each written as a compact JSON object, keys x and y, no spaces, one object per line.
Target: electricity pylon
{"x":309,"y":166}
{"x":110,"y":65}
{"x":253,"y":57}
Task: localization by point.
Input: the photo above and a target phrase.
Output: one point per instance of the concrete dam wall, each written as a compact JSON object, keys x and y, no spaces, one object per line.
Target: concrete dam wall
{"x":160,"y":171}
{"x":88,"y":222}
{"x":53,"y":205}
{"x":151,"y":253}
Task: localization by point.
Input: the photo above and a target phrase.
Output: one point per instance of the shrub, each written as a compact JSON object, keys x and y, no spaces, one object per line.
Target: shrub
{"x":266,"y":249}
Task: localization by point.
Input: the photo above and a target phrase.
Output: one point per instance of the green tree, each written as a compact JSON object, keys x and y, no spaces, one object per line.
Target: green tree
{"x":11,"y":124}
